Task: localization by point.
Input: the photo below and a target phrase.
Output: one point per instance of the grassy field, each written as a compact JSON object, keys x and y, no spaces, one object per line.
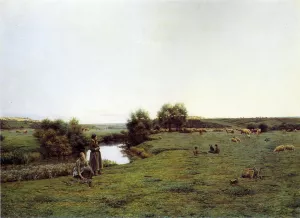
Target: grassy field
{"x":243,"y":122}
{"x":23,"y":141}
{"x":27,"y":142}
{"x":101,"y":132}
{"x":174,"y":182}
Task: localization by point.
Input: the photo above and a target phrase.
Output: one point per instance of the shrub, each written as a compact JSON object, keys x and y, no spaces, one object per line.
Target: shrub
{"x":37,"y":172}
{"x":2,"y":137}
{"x":156,"y":127}
{"x":115,"y":137}
{"x":138,"y":126}
{"x":139,"y":152}
{"x":251,"y":126}
{"x":263,"y":127}
{"x":109,"y":163}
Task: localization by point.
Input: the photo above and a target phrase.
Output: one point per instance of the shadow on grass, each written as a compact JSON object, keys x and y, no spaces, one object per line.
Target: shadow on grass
{"x":239,"y":191}
{"x":159,"y":150}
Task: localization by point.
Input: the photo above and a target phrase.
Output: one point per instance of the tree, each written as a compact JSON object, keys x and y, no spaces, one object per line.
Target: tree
{"x":172,"y":115}
{"x":138,"y":126}
{"x":165,"y":116}
{"x":179,"y":115}
{"x":77,"y":140}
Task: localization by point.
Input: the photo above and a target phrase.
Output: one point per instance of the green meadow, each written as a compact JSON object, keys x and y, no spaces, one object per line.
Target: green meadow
{"x":173,"y":182}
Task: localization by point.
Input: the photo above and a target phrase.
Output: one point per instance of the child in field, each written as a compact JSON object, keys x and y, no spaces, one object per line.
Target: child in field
{"x":196,"y":152}
{"x":217,"y":150}
{"x":211,"y":149}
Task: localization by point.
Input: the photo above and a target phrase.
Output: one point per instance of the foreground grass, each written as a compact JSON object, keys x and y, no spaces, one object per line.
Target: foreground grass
{"x":174,"y":182}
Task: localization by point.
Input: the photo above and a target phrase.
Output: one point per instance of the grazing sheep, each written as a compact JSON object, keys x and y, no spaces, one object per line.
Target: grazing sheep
{"x":290,"y":147}
{"x":246,"y":131}
{"x":233,"y":139}
{"x":251,"y":173}
{"x":234,"y":181}
{"x":229,"y":130}
{"x":248,"y":173}
{"x":202,"y":131}
{"x":196,"y":152}
{"x":257,"y":131}
{"x":279,"y":148}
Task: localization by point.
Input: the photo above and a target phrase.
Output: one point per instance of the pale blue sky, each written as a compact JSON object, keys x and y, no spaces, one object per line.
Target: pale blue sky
{"x":101,"y":60}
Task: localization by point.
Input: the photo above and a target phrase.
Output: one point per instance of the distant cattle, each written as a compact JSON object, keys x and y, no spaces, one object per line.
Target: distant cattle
{"x":25,"y":131}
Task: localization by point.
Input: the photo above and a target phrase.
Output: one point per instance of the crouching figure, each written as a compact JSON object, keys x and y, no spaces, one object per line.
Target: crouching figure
{"x":82,"y":170}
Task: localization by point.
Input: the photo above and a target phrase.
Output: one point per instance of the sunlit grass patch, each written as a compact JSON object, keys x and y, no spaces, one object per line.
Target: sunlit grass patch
{"x":178,"y":187}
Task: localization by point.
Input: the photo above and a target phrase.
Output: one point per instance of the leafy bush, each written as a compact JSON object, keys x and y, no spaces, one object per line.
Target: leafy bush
{"x":2,"y":137}
{"x":109,"y":163}
{"x":115,"y":137}
{"x":59,"y":139}
{"x":19,"y":157}
{"x":139,"y":152}
{"x":264,"y":127}
{"x":252,"y":126}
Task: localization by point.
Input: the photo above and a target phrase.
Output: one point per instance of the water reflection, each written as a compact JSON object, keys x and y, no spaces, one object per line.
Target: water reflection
{"x":112,"y":152}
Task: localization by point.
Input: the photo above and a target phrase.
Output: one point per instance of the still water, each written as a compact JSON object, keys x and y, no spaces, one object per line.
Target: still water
{"x":112,"y":152}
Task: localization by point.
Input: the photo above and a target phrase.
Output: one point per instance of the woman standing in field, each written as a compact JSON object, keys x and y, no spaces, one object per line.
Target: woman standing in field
{"x":95,"y":156}
{"x":82,"y":169}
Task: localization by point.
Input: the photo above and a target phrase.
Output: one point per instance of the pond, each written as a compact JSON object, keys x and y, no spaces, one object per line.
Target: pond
{"x":112,"y":152}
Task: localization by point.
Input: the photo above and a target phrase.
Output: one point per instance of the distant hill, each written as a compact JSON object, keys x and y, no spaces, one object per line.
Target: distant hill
{"x":18,"y":119}
{"x":18,"y":123}
{"x":193,"y":121}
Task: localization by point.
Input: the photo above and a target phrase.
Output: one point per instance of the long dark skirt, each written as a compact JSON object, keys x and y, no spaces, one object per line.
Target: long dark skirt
{"x":96,"y":161}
